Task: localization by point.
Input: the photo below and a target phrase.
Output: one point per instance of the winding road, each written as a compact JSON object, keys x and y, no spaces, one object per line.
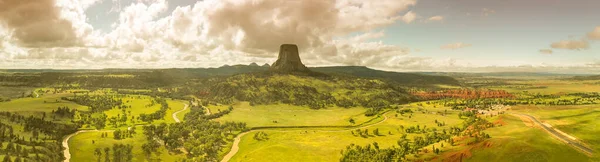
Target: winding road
{"x":235,"y":147}
{"x":65,"y":142}
{"x":175,"y":113}
{"x":562,"y":137}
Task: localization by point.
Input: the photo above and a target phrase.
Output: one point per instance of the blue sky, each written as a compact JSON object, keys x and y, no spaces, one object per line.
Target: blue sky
{"x":515,"y":32}
{"x":398,"y":35}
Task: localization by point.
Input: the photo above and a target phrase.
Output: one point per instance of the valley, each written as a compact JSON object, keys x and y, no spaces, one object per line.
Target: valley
{"x":283,"y":117}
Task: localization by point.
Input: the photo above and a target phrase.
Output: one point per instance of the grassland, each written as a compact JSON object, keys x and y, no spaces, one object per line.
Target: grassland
{"x":289,"y":115}
{"x":174,"y":106}
{"x":581,"y":121}
{"x":45,"y":103}
{"x":82,"y":147}
{"x":515,"y":141}
{"x":326,"y":144}
{"x":8,"y":92}
{"x":544,"y":86}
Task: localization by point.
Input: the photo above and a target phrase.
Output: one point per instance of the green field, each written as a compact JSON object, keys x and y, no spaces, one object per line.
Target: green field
{"x":174,"y":106}
{"x":82,"y":147}
{"x":289,"y":115}
{"x":551,"y":86}
{"x":581,"y":121}
{"x":45,"y":103}
{"x":515,"y":141}
{"x":326,"y":144}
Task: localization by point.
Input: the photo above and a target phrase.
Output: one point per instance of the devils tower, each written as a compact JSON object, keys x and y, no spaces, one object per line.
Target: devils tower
{"x":289,"y":60}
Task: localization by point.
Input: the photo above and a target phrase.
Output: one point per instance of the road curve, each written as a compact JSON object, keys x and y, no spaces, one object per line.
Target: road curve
{"x":175,"y":113}
{"x":560,"y":136}
{"x":65,"y":144}
{"x":235,"y":147}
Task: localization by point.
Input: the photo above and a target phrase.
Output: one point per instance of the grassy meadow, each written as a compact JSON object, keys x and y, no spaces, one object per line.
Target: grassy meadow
{"x":83,"y":145}
{"x":516,"y":141}
{"x":290,"y":115}
{"x":326,"y":144}
{"x":45,"y":103}
{"x":581,"y":121}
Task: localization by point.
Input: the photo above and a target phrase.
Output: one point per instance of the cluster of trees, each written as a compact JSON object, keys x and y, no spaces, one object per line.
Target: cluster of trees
{"x":122,"y":134}
{"x":43,"y":142}
{"x":97,"y":103}
{"x":365,"y":133}
{"x":64,"y":112}
{"x":314,"y":92}
{"x":201,"y":138}
{"x":463,"y":94}
{"x":42,"y":152}
{"x":38,"y":126}
{"x":120,"y":153}
{"x":523,"y":99}
{"x":259,"y":136}
{"x":472,"y":126}
{"x":157,"y":115}
{"x":220,"y":113}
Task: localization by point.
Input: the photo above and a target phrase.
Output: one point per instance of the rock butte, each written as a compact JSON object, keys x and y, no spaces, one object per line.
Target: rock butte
{"x":289,"y":60}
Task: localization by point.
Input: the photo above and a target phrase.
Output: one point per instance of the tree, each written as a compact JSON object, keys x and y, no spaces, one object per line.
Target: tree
{"x":117,"y":134}
{"x":6,"y":159}
{"x":98,"y":153}
{"x":376,"y":131}
{"x":106,"y":154}
{"x":352,"y":121}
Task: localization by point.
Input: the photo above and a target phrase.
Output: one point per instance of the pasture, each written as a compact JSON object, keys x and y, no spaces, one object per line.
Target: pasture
{"x":326,"y":144}
{"x":289,"y":115}
{"x":515,"y":141}
{"x":82,"y":146}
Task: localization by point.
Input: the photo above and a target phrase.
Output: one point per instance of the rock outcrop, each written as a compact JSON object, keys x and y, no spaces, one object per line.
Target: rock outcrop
{"x":289,"y":60}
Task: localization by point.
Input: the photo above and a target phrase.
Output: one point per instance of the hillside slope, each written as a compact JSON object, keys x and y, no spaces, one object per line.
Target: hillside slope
{"x":398,"y":77}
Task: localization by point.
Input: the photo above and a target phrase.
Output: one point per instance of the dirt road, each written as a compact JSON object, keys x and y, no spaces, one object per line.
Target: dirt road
{"x":235,"y":147}
{"x":65,"y":143}
{"x":175,"y":113}
{"x":560,"y":136}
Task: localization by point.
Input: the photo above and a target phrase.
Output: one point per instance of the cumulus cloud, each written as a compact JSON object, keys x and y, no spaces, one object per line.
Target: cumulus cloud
{"x":594,"y":35}
{"x":454,"y":46}
{"x":37,"y":23}
{"x":207,"y":33}
{"x":436,"y":18}
{"x":409,"y":17}
{"x":256,"y":28}
{"x":546,"y":51}
{"x":571,"y":45}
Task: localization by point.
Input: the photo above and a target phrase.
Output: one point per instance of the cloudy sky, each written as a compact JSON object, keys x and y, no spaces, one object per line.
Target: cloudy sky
{"x":399,"y":35}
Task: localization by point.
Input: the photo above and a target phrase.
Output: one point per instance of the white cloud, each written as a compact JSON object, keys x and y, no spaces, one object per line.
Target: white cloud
{"x":594,"y":35}
{"x":214,"y":32}
{"x":456,"y":45}
{"x":409,"y":17}
{"x":546,"y":51}
{"x":571,"y":45}
{"x":436,"y":18}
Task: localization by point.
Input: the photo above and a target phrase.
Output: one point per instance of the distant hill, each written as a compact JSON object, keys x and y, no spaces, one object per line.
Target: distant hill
{"x":304,"y":89}
{"x":592,"y":77}
{"x":398,"y":77}
{"x":412,"y":79}
{"x":502,"y":74}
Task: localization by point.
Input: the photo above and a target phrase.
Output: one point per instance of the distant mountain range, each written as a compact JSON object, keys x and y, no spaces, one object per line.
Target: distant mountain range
{"x":228,"y":70}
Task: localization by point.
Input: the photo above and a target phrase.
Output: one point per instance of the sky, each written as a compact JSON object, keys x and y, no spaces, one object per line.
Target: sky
{"x":560,"y":36}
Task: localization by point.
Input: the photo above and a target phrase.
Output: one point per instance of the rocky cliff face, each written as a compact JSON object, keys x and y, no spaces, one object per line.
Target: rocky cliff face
{"x":289,"y":60}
